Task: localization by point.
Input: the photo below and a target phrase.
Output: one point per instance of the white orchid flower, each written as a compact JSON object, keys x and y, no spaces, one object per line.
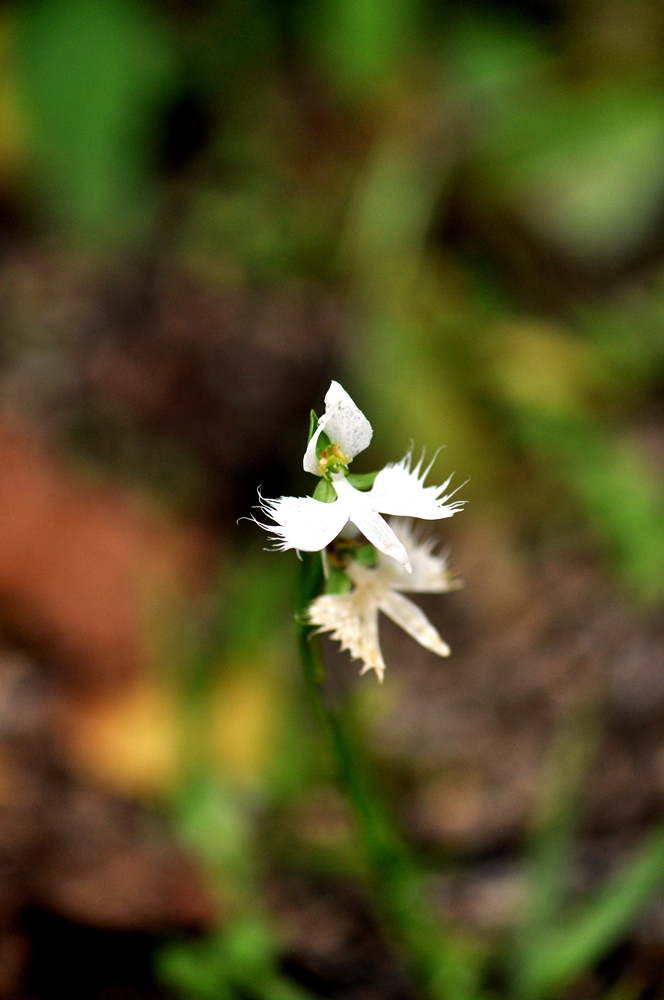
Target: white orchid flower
{"x":309,"y":525}
{"x":353,"y":618}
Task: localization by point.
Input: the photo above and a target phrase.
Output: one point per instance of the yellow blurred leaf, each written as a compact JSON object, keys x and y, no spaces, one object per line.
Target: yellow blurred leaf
{"x":12,"y":136}
{"x":245,"y":710}
{"x":536,"y":364}
{"x":128,"y":742}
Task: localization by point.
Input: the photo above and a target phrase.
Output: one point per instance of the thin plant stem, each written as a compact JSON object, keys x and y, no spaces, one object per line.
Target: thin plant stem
{"x":448,"y":967}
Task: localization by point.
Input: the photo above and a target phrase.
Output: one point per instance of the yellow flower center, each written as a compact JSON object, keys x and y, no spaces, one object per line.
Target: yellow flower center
{"x":332,"y":459}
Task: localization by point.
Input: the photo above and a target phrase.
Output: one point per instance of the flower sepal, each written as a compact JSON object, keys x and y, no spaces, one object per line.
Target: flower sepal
{"x":362,"y":480}
{"x":325,"y":491}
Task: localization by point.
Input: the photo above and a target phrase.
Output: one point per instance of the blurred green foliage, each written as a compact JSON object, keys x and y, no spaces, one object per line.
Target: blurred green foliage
{"x":94,"y":74}
{"x":485,"y":187}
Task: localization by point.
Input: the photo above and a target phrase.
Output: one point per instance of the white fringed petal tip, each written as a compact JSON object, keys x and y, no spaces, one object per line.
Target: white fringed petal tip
{"x":399,"y":490}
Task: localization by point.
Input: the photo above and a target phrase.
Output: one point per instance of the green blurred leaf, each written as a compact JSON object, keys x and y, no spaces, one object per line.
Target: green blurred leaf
{"x":556,"y":817}
{"x":619,"y":494}
{"x":196,"y":969}
{"x":366,"y":555}
{"x":337,"y":582}
{"x":94,"y":74}
{"x":585,"y":936}
{"x":361,"y":43}
{"x":582,"y":169}
{"x":237,"y":962}
{"x":492,"y":55}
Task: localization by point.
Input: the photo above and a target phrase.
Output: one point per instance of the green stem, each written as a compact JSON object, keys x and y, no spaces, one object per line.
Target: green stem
{"x":449,"y":970}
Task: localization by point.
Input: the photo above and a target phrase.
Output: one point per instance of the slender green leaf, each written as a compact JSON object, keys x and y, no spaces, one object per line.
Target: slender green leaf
{"x":587,"y":935}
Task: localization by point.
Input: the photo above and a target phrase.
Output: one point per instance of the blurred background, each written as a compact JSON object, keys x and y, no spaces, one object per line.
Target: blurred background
{"x":207,"y":210}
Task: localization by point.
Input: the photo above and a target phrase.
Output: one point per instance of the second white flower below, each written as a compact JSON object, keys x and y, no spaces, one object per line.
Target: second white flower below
{"x":352,"y":618}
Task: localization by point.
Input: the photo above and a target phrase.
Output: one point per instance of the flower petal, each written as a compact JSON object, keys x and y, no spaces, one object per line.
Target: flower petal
{"x":304,"y":523}
{"x":412,"y":620}
{"x":345,"y":425}
{"x":430,"y":572}
{"x":353,"y":621}
{"x":400,"y":490}
{"x":371,"y":524}
{"x":371,"y":651}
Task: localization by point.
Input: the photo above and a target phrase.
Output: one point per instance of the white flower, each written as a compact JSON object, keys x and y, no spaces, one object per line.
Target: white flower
{"x":353,"y":618}
{"x":309,"y":525}
{"x":345,"y":425}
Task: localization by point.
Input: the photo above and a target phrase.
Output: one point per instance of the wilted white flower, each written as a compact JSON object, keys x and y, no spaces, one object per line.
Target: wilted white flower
{"x":309,"y":525}
{"x":353,"y":618}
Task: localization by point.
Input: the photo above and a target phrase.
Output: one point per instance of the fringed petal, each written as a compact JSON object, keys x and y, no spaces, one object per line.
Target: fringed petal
{"x":400,"y":490}
{"x":352,"y":620}
{"x":303,"y":523}
{"x":430,"y":572}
